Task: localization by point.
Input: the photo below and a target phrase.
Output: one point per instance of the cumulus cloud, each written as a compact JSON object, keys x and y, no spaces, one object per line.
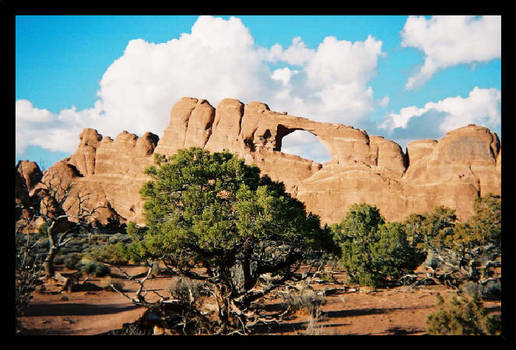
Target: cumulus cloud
{"x":451,"y":40}
{"x":331,"y":83}
{"x":481,"y":107}
{"x":214,"y":61}
{"x":217,"y":59}
{"x":283,"y":75}
{"x":296,"y":54}
{"x":55,"y":132}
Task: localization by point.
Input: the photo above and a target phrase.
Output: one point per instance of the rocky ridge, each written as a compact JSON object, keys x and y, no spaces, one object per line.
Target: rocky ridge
{"x":451,"y":171}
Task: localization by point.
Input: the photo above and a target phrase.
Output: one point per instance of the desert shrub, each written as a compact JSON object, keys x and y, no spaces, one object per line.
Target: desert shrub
{"x":107,"y":282}
{"x":326,"y":277}
{"x":373,"y":251}
{"x":469,"y":250}
{"x":95,"y":268}
{"x":28,"y":267}
{"x":489,"y":290}
{"x":72,"y":261}
{"x":472,"y":290}
{"x":186,"y":290}
{"x":305,"y":300}
{"x":69,"y":260}
{"x":115,"y":254}
{"x":119,"y":238}
{"x":462,"y":316}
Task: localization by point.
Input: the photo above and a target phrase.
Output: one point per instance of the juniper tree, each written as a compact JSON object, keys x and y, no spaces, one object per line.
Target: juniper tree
{"x":372,"y":251}
{"x":212,"y":211}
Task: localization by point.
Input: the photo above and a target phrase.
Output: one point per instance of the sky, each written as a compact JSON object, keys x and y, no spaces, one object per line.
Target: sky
{"x":401,"y":77}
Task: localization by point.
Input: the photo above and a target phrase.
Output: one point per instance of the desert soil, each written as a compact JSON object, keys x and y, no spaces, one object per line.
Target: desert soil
{"x":348,"y":310}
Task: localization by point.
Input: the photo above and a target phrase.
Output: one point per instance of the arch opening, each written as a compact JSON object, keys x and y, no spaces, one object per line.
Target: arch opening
{"x":305,"y":145}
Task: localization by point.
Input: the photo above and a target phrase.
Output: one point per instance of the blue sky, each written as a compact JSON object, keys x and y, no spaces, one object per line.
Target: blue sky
{"x":400,"y":77}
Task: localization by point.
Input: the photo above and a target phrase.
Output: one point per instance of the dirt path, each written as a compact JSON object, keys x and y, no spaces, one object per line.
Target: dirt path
{"x":397,"y":311}
{"x":400,"y":311}
{"x":80,"y":313}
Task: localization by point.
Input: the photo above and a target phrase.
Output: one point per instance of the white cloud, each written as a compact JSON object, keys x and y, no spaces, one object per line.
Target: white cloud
{"x":481,"y":107}
{"x":55,"y":132}
{"x":216,"y":60}
{"x":341,"y":61}
{"x":283,"y":75}
{"x":332,"y":82}
{"x":296,"y":54}
{"x":384,"y":102}
{"x":26,"y":113}
{"x":451,"y":40}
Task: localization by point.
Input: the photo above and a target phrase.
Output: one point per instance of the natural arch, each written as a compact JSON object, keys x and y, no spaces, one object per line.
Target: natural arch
{"x":304,"y":144}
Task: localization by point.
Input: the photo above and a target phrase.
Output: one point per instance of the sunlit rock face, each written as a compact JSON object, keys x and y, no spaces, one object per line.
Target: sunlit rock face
{"x":451,"y":171}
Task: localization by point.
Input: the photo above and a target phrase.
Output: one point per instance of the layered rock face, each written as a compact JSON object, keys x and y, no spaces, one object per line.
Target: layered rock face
{"x":452,"y":171}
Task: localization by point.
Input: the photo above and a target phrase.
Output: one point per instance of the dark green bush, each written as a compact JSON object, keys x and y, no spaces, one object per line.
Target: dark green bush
{"x":69,"y":260}
{"x":72,"y":261}
{"x":469,"y":250}
{"x":462,"y":316}
{"x":94,"y":268}
{"x":373,"y":251}
{"x":115,"y":254}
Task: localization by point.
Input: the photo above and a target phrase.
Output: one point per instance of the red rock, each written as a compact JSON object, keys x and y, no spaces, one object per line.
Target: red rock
{"x":452,"y":171}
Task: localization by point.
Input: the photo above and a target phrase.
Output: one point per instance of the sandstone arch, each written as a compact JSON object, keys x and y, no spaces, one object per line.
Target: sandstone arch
{"x":451,"y":171}
{"x":291,"y":136}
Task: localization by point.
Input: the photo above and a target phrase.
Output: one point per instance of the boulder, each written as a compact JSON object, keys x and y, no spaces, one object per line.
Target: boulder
{"x":29,"y":173}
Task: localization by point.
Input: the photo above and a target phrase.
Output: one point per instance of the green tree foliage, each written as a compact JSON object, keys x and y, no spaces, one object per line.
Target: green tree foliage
{"x":441,"y":228}
{"x":121,"y":253}
{"x":215,"y":212}
{"x":135,"y":251}
{"x":467,"y":250}
{"x":372,"y":251}
{"x":438,"y":227}
{"x":484,"y":227}
{"x":431,"y":232}
{"x":413,"y":225}
{"x":462,"y":316}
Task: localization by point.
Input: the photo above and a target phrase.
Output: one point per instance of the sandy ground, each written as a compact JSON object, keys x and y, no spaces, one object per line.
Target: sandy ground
{"x":347,"y":311}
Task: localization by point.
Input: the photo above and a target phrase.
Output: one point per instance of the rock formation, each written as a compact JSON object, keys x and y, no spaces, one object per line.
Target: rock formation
{"x":451,"y":171}
{"x":27,"y":176}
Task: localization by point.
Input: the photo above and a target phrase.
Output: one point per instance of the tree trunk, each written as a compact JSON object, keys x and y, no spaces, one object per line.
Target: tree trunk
{"x":155,"y":268}
{"x":52,"y":252}
{"x":49,"y":262}
{"x":222,"y":305}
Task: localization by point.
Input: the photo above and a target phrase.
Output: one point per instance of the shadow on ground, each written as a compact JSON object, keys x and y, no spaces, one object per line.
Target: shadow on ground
{"x":75,"y":309}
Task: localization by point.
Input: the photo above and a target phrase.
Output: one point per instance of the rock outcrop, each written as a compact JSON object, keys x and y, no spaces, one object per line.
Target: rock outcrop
{"x":451,"y":171}
{"x":27,"y":176}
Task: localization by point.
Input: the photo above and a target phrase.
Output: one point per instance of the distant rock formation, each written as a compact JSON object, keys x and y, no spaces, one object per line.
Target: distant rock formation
{"x":27,"y":176}
{"x":451,"y":171}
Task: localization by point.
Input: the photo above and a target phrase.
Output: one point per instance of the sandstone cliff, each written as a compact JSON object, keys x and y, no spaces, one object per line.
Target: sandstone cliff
{"x":451,"y":171}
